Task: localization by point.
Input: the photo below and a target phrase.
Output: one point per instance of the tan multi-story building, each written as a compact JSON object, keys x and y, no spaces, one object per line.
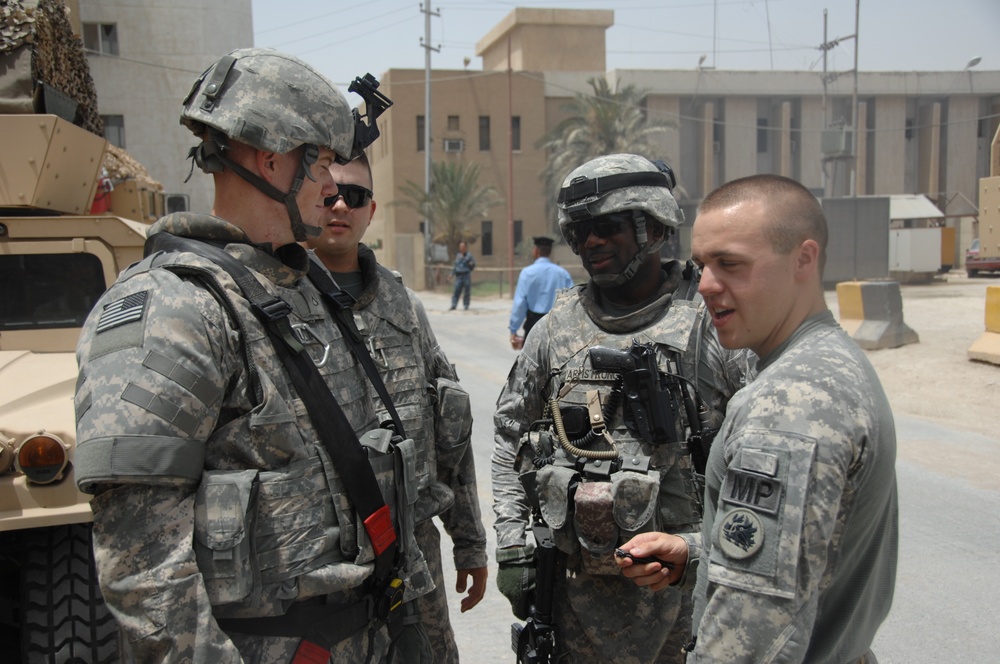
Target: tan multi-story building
{"x":920,"y":132}
{"x":492,"y":118}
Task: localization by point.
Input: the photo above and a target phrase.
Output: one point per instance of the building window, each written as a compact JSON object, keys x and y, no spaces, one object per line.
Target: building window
{"x":177,"y":203}
{"x":420,"y":133}
{"x":114,"y":130}
{"x":515,"y":132}
{"x":761,"y":134}
{"x":487,"y":238}
{"x":452,"y":123}
{"x":518,"y":231}
{"x":101,"y":38}
{"x":484,"y":132}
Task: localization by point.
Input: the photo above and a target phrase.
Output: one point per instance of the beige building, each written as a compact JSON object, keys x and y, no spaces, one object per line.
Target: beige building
{"x":144,"y":56}
{"x":921,"y":132}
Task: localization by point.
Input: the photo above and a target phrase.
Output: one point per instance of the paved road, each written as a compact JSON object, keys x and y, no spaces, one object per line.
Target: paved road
{"x":944,"y":608}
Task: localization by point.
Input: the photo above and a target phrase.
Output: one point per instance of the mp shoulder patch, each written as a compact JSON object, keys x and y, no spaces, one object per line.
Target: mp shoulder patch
{"x":126,"y":310}
{"x":741,"y":534}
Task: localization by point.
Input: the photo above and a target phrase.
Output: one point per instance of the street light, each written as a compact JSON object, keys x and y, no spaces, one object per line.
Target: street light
{"x":972,"y":63}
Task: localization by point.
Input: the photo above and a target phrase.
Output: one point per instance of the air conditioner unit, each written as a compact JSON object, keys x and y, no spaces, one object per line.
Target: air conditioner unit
{"x":454,"y":145}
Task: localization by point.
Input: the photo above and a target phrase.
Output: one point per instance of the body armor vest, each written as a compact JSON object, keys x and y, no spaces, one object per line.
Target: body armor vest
{"x":592,"y":505}
{"x":436,"y":416}
{"x":286,"y":530}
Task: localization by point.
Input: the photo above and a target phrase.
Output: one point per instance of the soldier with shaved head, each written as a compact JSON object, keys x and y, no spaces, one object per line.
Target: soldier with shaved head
{"x":796,"y":558}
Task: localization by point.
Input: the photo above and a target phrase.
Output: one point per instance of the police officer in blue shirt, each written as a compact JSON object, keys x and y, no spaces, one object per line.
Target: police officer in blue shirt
{"x":536,"y":290}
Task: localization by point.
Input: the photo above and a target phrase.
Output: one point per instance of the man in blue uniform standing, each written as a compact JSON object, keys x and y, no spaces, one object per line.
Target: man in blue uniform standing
{"x":536,"y":290}
{"x":462,"y":273}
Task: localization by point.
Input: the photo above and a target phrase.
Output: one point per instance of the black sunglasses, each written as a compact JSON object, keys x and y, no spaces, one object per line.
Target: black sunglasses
{"x":603,"y":227}
{"x":354,"y":196}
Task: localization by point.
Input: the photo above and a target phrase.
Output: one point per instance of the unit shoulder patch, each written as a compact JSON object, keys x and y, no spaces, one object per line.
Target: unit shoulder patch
{"x":741,"y":534}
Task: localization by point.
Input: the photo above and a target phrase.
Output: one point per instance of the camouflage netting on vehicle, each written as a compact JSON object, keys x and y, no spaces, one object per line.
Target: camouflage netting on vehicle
{"x":123,"y":166}
{"x":57,"y":55}
{"x":38,"y":32}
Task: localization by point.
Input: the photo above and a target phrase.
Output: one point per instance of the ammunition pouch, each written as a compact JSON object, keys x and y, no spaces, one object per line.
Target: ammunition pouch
{"x":555,"y":486}
{"x":589,"y":512}
{"x":224,"y":522}
{"x":595,"y":526}
{"x":267,"y":539}
{"x":452,"y":422}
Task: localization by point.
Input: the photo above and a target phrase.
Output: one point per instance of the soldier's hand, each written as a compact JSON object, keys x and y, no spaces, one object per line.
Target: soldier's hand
{"x":670,"y":548}
{"x":478,"y":588}
{"x":516,"y":576}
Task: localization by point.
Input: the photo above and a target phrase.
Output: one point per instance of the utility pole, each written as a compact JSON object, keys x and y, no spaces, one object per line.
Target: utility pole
{"x":828,"y":77}
{"x":510,"y":173}
{"x":426,"y":43}
{"x":857,"y":124}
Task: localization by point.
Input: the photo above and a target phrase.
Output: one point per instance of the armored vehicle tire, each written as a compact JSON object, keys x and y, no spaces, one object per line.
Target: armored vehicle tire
{"x":64,"y":617}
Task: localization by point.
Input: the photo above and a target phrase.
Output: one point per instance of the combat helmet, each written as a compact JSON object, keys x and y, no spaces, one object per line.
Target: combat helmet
{"x":275,"y":102}
{"x":621,"y":183}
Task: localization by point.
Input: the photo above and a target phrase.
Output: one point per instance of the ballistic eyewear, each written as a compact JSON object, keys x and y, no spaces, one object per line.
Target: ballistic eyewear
{"x":603,"y":227}
{"x":354,"y":196}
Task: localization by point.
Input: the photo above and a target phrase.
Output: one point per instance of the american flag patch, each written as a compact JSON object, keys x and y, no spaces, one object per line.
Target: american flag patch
{"x":125,"y":310}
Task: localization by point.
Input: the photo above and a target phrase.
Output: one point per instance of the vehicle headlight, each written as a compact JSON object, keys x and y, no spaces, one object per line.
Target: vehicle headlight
{"x":42,"y":458}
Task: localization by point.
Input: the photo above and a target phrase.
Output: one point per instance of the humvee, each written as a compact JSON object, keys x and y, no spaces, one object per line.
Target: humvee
{"x":59,"y":250}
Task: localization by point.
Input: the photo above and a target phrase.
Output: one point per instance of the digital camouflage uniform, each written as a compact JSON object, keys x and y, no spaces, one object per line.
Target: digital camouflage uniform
{"x":195,"y":445}
{"x":801,"y":513}
{"x":415,"y":371}
{"x":604,"y":616}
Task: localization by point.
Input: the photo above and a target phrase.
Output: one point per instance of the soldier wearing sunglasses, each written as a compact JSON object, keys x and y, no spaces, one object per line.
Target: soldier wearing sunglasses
{"x":571,"y":457}
{"x":395,"y":330}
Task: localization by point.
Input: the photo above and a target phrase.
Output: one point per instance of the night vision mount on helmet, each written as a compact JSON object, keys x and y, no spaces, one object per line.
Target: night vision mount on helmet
{"x":275,"y":102}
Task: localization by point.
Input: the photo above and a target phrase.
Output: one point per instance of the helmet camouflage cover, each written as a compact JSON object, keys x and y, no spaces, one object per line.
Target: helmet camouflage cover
{"x":593,"y":200}
{"x":271,"y":101}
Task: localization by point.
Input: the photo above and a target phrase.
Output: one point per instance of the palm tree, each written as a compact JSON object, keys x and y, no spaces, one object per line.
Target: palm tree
{"x":456,"y":198}
{"x":605,"y":122}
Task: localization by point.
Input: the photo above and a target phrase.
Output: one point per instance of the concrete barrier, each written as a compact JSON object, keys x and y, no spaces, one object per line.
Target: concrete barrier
{"x":871,"y":312}
{"x":987,"y":347}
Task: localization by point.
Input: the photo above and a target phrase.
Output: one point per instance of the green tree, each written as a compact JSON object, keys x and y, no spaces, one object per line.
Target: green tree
{"x":605,"y":122}
{"x":456,"y":199}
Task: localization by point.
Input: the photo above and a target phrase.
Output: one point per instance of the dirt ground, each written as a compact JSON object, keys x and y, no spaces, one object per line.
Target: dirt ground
{"x":934,"y":379}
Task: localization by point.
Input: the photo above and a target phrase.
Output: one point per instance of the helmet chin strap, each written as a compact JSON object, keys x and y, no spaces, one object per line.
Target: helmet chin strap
{"x":645,"y":248}
{"x":210,"y":151}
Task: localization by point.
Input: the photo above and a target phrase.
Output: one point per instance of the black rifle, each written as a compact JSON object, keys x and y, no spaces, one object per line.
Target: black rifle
{"x":534,"y":642}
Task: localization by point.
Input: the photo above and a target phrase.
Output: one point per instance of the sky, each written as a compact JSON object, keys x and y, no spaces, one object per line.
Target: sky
{"x":343,"y":40}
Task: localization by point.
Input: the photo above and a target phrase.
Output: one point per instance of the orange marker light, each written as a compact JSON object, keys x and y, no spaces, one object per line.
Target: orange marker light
{"x":42,"y":458}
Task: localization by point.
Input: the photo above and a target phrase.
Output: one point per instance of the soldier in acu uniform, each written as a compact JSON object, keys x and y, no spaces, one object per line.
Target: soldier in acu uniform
{"x":432,"y":406}
{"x":796,"y":559}
{"x":591,"y":464}
{"x":226,"y":528}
